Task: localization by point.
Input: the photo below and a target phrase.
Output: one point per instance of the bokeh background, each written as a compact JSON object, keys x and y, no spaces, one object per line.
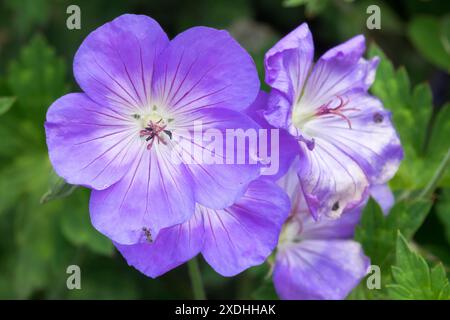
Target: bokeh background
{"x":44,"y":224}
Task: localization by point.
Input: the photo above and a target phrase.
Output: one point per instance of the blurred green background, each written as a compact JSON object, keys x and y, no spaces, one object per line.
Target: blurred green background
{"x":40,"y":238}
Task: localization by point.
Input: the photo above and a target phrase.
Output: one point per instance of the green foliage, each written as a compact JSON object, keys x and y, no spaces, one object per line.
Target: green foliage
{"x":431,"y":38}
{"x":44,"y":222}
{"x":443,"y":211}
{"x":413,"y":279}
{"x":59,"y":189}
{"x":36,"y":78}
{"x":5,"y":104}
{"x":411,"y":114}
{"x":377,"y":233}
{"x":312,"y":7}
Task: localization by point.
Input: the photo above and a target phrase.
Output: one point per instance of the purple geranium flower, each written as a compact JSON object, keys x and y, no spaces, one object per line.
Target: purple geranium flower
{"x":317,"y":259}
{"x":141,"y":91}
{"x":346,"y":140}
{"x":230,"y":239}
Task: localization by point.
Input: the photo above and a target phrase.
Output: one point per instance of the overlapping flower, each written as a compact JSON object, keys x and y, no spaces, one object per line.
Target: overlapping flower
{"x":142,"y":93}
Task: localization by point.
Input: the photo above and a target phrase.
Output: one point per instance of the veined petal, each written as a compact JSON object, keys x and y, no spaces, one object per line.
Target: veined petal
{"x":282,"y":151}
{"x":173,"y":247}
{"x":244,"y":234}
{"x":367,"y":136}
{"x":331,"y":180}
{"x":89,"y":144}
{"x":156,"y":193}
{"x":325,"y":228}
{"x":319,"y":269}
{"x":204,"y":67}
{"x":288,"y":65}
{"x":338,"y":71}
{"x":218,"y":185}
{"x":115,"y":63}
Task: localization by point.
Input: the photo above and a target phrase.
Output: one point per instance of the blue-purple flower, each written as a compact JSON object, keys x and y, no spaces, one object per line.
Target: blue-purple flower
{"x":346,"y":141}
{"x":230,"y":239}
{"x":140,"y":92}
{"x":316,"y":259}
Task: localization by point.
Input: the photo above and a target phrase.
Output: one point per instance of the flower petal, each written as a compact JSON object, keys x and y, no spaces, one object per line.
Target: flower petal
{"x":155,"y":193}
{"x":218,"y":185}
{"x":319,"y":269}
{"x":287,"y":66}
{"x":330,"y":180}
{"x":371,"y":141}
{"x":281,"y":152}
{"x":384,"y":196}
{"x":173,"y":247}
{"x":245,"y":234}
{"x":325,"y":228}
{"x":204,"y":67}
{"x":89,"y":144}
{"x":339,"y":70}
{"x":114,"y":64}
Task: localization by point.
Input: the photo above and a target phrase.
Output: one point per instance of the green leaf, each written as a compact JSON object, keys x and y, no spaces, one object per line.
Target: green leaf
{"x":411,"y":114}
{"x":6,"y":104}
{"x":440,"y":142}
{"x":413,"y":279}
{"x":77,"y":228}
{"x":377,"y":233}
{"x":427,"y":35}
{"x":59,"y":189}
{"x":443,"y":211}
{"x":37,"y":78}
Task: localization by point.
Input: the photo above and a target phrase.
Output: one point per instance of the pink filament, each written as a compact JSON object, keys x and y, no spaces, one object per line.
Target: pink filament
{"x":337,"y":111}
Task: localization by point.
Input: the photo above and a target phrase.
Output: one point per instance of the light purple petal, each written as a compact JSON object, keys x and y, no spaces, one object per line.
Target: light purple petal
{"x":220,"y":184}
{"x":204,"y":67}
{"x":114,"y":65}
{"x":384,"y":196}
{"x":319,"y":269}
{"x":284,"y":150}
{"x":368,"y":137}
{"x":338,"y":71}
{"x":155,"y":193}
{"x":89,"y":144}
{"x":173,"y":247}
{"x":288,"y":65}
{"x":331,"y":180}
{"x":325,"y":228}
{"x":246,"y":233}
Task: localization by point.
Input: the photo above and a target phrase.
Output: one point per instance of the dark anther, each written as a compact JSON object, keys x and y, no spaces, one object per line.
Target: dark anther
{"x":152,"y":132}
{"x":169,"y":133}
{"x":147,"y":234}
{"x":378,"y":117}
{"x":335,"y":206}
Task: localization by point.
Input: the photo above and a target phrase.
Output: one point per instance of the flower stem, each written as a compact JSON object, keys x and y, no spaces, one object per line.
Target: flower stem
{"x":431,"y":186}
{"x":196,"y":280}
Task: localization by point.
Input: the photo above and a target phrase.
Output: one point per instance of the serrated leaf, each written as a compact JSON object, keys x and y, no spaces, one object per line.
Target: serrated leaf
{"x":412,"y":276}
{"x":6,"y":104}
{"x":37,"y":78}
{"x":426,"y":33}
{"x":411,"y":114}
{"x":377,"y":233}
